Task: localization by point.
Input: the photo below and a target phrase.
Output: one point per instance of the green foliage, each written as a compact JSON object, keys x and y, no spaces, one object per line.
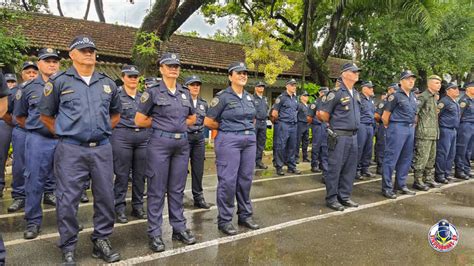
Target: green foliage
{"x":188,"y":33}
{"x":269,"y":142}
{"x":12,"y":42}
{"x":312,"y":89}
{"x":145,"y":50}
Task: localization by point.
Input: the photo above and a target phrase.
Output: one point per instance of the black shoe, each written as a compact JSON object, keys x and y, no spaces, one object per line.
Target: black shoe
{"x":186,"y":237}
{"x":31,"y":231}
{"x":421,"y":187}
{"x":359,"y":176}
{"x":294,"y":171}
{"x":227,"y":229}
{"x":349,"y":203}
{"x":81,"y":227}
{"x":121,"y":217}
{"x":139,"y":213}
{"x":1,"y":193}
{"x":323,"y":180}
{"x":202,"y":204}
{"x":389,"y":194}
{"x":249,"y":223}
{"x":406,"y":191}
{"x":315,"y":170}
{"x":17,"y":205}
{"x":433,"y":184}
{"x":461,"y":175}
{"x":379,"y":170}
{"x":49,"y":198}
{"x":368,"y":174}
{"x":297,"y":162}
{"x":260,"y":165}
{"x":103,"y":250}
{"x":156,"y":244}
{"x":441,"y":180}
{"x":280,"y":171}
{"x":335,"y":206}
{"x":84,"y":197}
{"x":306,"y":160}
{"x":68,"y":258}
{"x":449,"y":178}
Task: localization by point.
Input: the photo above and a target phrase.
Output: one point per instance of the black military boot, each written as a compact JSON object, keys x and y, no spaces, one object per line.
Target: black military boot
{"x":103,"y":250}
{"x":84,"y":197}
{"x":16,"y":205}
{"x":49,"y":198}
{"x":69,"y":258}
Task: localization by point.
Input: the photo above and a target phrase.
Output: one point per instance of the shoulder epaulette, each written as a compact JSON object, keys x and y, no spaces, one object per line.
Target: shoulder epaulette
{"x":220,"y":92}
{"x":26,"y":83}
{"x":56,"y":75}
{"x":105,"y":75}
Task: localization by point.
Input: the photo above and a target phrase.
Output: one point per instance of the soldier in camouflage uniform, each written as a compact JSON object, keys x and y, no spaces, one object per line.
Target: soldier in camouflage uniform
{"x":426,"y":134}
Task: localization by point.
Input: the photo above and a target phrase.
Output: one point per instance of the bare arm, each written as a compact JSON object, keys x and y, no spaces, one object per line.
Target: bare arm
{"x":8,"y":119}
{"x":309,"y":119}
{"x":21,"y":120}
{"x":142,"y":120}
{"x":211,"y":123}
{"x":190,"y":120}
{"x":114,"y":119}
{"x":323,"y":116}
{"x":386,"y":118}
{"x":378,"y":117}
{"x":3,"y":105}
{"x":48,"y":121}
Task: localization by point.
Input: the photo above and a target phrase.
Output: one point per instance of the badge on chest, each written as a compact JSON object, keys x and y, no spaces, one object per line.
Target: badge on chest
{"x":107,"y":89}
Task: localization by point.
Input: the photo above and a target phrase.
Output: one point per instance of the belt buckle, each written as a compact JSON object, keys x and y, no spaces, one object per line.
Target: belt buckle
{"x":177,"y":135}
{"x":137,"y":129}
{"x":92,"y":144}
{"x":246,"y":132}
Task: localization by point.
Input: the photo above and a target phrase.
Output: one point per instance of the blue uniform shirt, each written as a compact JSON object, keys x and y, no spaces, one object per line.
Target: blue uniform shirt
{"x":82,"y":111}
{"x":3,"y":86}
{"x":467,"y":109}
{"x":287,"y":107}
{"x":200,"y":110}
{"x":129,"y":108}
{"x":367,"y":110}
{"x":344,"y":109}
{"x":261,"y":105}
{"x":313,"y":108}
{"x":303,"y":111}
{"x":11,"y":99}
{"x":449,"y":113}
{"x":168,"y":111}
{"x":232,"y":112}
{"x":402,"y":107}
{"x":380,"y":107}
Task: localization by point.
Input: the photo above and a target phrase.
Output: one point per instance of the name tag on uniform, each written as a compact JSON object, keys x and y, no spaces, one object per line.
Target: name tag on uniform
{"x":67,"y":92}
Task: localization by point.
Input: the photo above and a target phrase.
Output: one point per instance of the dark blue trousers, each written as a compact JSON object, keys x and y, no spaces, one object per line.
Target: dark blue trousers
{"x":286,"y":137}
{"x":38,"y":174}
{"x":18,"y":164}
{"x":261,"y":134}
{"x":5,"y":140}
{"x":399,"y":145}
{"x":167,"y":167}
{"x":380,"y":145}
{"x":365,"y":141}
{"x":303,"y":140}
{"x":319,"y":150}
{"x":3,"y":252}
{"x":465,"y":141}
{"x":445,"y":152}
{"x":129,"y":150}
{"x":342,"y":168}
{"x":72,"y":166}
{"x":197,"y":151}
{"x":235,"y":162}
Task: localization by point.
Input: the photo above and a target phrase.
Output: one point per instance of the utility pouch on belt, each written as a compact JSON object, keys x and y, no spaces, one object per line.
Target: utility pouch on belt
{"x":332,"y":139}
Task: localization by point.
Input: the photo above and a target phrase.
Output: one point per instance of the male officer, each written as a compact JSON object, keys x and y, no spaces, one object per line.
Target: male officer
{"x":319,"y":150}
{"x":81,"y":106}
{"x":197,"y":142}
{"x":341,"y":109}
{"x":284,"y":112}
{"x":426,"y":134}
{"x":29,"y":71}
{"x":365,"y":134}
{"x":3,"y":109}
{"x":261,"y":105}
{"x":39,"y":144}
{"x":303,"y":128}
{"x":448,"y":118}
{"x":399,"y":121}
{"x":465,"y":138}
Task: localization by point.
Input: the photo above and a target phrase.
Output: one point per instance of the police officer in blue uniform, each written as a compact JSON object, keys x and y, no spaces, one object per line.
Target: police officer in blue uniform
{"x":197,"y":141}
{"x":365,"y":134}
{"x":4,"y":92}
{"x":166,"y":107}
{"x":341,"y":109}
{"x":448,"y":118}
{"x":284,"y":112}
{"x":261,"y":106}
{"x":81,"y":107}
{"x":232,"y":113}
{"x":129,"y":144}
{"x":465,"y":134}
{"x":319,"y":148}
{"x":29,"y":71}
{"x":302,"y":129}
{"x":40,"y":144}
{"x":399,"y":121}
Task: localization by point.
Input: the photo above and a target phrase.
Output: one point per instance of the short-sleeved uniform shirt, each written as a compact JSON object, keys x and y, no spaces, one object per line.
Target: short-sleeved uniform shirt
{"x":303,"y":111}
{"x":129,"y":108}
{"x":367,"y":110}
{"x":200,"y":109}
{"x":402,"y":107}
{"x":82,"y":110}
{"x":467,"y":109}
{"x":313,"y":108}
{"x":287,"y":107}
{"x":449,"y":113}
{"x":261,"y":106}
{"x":343,"y":108}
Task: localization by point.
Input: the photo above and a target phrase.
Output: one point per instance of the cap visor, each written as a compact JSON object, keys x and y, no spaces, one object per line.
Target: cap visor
{"x":170,"y":62}
{"x":193,"y":81}
{"x":131,"y":73}
{"x":44,"y":56}
{"x":238,"y":69}
{"x":84,"y":46}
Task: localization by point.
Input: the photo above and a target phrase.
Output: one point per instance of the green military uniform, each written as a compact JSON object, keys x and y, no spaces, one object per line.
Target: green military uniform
{"x":426,"y":134}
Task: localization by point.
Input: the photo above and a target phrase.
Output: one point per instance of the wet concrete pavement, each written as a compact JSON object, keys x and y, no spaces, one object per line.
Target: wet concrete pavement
{"x":296,"y":228}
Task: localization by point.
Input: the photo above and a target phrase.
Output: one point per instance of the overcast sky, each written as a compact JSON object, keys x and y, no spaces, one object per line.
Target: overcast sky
{"x":124,"y":13}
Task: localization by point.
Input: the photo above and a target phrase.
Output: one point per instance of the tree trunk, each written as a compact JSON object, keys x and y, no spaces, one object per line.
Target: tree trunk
{"x":87,"y":9}
{"x":99,"y":8}
{"x":25,"y":5}
{"x":160,"y":18}
{"x":58,"y":3}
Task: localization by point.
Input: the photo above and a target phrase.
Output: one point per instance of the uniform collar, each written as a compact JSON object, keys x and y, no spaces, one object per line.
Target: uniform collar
{"x":231,"y":91}
{"x":163,"y":88}
{"x":73,"y":72}
{"x":286,"y":93}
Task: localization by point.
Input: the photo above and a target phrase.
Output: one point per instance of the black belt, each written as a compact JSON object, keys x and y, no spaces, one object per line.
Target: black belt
{"x":171,"y":135}
{"x":402,"y":123}
{"x":90,"y":144}
{"x":196,"y":132}
{"x":448,"y":127}
{"x":242,"y":132}
{"x":345,"y":132}
{"x":135,"y":129}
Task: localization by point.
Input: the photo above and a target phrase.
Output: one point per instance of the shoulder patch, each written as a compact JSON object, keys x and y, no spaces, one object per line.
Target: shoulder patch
{"x":145,"y":96}
{"x":48,"y":88}
{"x":462,"y":104}
{"x":391,"y":98}
{"x":277,"y":101}
{"x":324,"y":99}
{"x":18,"y":95}
{"x":440,"y":105}
{"x":330,"y":96}
{"x":107,"y":89}
{"x":313,"y":106}
{"x":336,"y":88}
{"x":57,"y":74}
{"x":214,"y":102}
{"x":380,"y":105}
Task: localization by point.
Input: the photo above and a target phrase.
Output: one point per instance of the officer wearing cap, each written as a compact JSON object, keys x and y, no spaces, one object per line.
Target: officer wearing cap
{"x":129,"y":144}
{"x":302,"y":129}
{"x":81,"y":106}
{"x":261,"y":105}
{"x":448,"y":119}
{"x":319,"y":148}
{"x":399,"y":121}
{"x":166,"y":107}
{"x":197,"y":141}
{"x":426,"y":135}
{"x":232,"y":113}
{"x":341,"y":109}
{"x":3,"y":109}
{"x":29,"y":71}
{"x":465,"y":134}
{"x":284,"y":113}
{"x":40,"y":144}
{"x":365,"y":134}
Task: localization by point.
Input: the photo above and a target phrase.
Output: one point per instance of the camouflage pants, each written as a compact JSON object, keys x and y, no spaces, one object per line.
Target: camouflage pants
{"x":424,"y":160}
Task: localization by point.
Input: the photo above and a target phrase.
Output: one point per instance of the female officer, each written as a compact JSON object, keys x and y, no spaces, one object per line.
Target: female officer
{"x":129,"y":148}
{"x":166,"y":107}
{"x":232,"y":113}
